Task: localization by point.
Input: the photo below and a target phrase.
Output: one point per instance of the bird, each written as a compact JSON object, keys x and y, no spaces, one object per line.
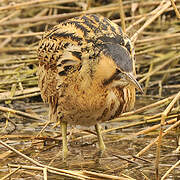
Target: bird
{"x":86,"y":73}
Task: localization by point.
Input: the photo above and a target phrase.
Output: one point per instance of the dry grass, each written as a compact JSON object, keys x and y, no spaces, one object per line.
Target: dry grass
{"x":149,"y":133}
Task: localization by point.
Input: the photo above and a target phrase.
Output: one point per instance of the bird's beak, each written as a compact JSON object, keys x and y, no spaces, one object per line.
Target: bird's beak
{"x":134,"y":81}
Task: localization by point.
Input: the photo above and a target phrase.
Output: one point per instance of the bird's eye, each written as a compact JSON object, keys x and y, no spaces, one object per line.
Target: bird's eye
{"x":108,"y":81}
{"x":119,"y":75}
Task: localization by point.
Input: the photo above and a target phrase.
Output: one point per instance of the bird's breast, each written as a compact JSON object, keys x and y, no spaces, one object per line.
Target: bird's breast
{"x":88,"y":104}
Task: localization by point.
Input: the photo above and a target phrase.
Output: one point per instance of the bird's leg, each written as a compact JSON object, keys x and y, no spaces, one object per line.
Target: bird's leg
{"x":64,"y":139}
{"x":100,"y":139}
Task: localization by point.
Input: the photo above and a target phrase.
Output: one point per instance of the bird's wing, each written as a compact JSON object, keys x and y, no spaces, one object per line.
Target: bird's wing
{"x":58,"y":56}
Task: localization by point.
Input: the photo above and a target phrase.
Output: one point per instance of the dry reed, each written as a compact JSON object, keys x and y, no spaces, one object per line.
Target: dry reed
{"x":154,"y":29}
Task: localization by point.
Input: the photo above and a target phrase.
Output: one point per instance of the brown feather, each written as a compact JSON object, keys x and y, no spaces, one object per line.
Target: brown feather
{"x":75,"y":59}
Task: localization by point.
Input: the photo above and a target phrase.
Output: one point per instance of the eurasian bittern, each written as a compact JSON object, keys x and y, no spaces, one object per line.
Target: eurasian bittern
{"x":86,"y":73}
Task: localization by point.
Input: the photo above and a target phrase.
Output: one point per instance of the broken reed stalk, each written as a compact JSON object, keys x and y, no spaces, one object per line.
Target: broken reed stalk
{"x":175,"y":8}
{"x":162,"y":37}
{"x":67,"y":173}
{"x":20,"y":35}
{"x":170,"y":169}
{"x":68,"y":15}
{"x":9,"y":16}
{"x":122,"y":16}
{"x":28,"y":4}
{"x":11,"y":173}
{"x":158,"y":11}
{"x":20,"y":113}
{"x":163,"y":118}
{"x":145,"y":149}
{"x":152,"y":128}
{"x":160,"y":66}
{"x":21,"y":97}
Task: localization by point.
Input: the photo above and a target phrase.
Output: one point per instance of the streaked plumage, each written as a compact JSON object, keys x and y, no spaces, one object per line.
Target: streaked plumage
{"x":86,"y":67}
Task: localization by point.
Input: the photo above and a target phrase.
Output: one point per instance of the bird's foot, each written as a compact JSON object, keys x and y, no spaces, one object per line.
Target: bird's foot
{"x":102,"y":146}
{"x":64,"y":140}
{"x":65,"y":153}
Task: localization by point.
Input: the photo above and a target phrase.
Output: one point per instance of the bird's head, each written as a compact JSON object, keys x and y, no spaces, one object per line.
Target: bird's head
{"x":116,"y":66}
